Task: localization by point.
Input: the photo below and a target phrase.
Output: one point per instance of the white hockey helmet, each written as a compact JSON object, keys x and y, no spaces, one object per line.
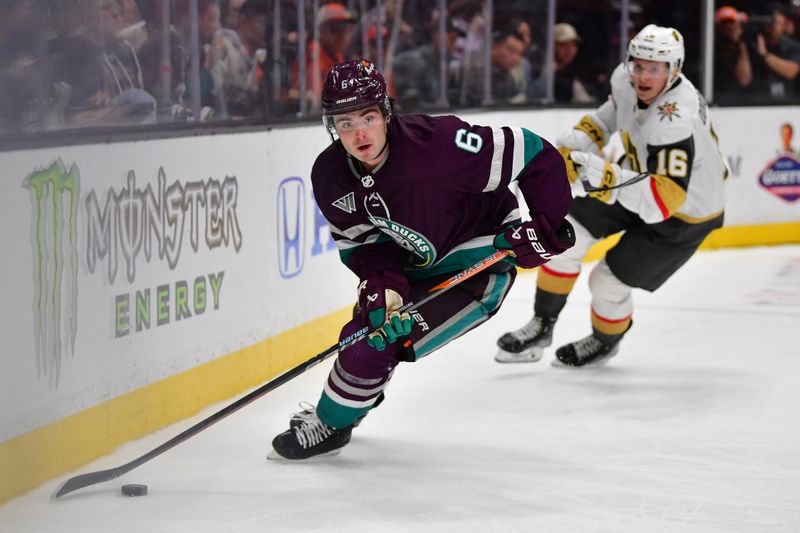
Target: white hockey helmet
{"x":658,"y":43}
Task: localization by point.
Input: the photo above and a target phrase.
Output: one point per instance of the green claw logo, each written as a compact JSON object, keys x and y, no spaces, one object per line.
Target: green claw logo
{"x":54,"y":194}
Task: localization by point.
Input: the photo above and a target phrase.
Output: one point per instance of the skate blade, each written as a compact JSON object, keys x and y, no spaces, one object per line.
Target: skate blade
{"x":597,"y":363}
{"x":275,"y":456}
{"x":531,"y":355}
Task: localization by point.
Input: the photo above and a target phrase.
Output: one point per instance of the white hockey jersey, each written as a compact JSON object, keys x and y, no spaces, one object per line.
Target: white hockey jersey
{"x":674,"y":141}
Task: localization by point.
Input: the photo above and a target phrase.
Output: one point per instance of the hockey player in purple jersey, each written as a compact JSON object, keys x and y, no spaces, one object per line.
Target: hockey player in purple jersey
{"x":411,"y":200}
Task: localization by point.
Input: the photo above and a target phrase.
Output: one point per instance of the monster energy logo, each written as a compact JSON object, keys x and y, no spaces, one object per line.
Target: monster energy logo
{"x":132,"y":219}
{"x":55,"y":193}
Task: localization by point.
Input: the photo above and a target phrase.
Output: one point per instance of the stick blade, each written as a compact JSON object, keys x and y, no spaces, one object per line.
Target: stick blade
{"x":84,"y":480}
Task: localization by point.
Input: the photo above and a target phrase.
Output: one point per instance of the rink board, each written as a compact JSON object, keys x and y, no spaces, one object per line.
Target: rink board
{"x":146,"y":280}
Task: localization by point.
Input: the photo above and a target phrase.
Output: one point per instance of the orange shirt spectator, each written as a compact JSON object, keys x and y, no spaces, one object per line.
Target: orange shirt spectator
{"x":335,"y":24}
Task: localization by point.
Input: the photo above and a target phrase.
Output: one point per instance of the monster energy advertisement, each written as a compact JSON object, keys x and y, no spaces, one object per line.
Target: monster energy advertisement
{"x":121,"y":228}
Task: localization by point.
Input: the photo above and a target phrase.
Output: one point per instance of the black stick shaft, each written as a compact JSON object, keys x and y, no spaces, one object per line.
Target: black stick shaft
{"x":588,"y":187}
{"x":91,"y":478}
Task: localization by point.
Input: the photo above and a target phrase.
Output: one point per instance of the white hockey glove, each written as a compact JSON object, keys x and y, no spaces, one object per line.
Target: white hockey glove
{"x":598,"y":173}
{"x":588,"y":135}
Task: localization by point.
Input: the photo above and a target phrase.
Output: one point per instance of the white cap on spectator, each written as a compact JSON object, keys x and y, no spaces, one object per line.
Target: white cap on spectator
{"x":564,"y":32}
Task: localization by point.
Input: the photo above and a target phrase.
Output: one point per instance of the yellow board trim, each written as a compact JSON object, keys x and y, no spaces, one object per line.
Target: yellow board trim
{"x":30,"y":459}
{"x":67,"y":444}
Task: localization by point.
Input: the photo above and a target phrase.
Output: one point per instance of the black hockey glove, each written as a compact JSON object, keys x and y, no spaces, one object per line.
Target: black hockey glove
{"x":379,"y":297}
{"x":534,"y":242}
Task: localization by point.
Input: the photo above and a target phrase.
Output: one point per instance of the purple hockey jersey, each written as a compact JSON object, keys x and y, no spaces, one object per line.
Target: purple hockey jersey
{"x":438,"y":199}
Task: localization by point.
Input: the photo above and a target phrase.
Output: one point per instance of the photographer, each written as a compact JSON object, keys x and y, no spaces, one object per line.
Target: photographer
{"x":733,"y":72}
{"x":777,"y":60}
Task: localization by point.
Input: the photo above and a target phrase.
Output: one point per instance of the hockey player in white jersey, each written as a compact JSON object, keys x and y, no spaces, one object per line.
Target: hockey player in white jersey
{"x":665,"y":128}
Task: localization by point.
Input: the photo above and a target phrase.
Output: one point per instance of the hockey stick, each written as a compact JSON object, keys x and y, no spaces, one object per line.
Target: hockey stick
{"x":588,"y":187}
{"x":92,"y":478}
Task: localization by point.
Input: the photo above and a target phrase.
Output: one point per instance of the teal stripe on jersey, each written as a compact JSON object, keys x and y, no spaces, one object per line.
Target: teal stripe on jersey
{"x":468,"y":318}
{"x":345,"y":253}
{"x":533,"y":144}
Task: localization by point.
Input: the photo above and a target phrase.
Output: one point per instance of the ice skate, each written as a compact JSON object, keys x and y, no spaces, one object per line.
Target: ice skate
{"x":589,"y":351}
{"x":308,"y":437}
{"x":527,"y":344}
{"x":308,"y":411}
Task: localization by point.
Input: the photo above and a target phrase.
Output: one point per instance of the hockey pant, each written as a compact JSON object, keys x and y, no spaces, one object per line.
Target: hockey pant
{"x":612,"y":301}
{"x":645,"y":257}
{"x":361,"y":373}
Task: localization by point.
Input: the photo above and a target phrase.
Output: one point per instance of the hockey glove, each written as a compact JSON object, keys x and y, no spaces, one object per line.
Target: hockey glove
{"x":379,"y":297}
{"x":534,"y":242}
{"x":588,"y":135}
{"x":572,"y":172}
{"x":600,"y":174}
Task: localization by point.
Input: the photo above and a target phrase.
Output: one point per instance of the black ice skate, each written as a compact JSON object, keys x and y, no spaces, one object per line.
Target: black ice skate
{"x":308,"y":437}
{"x":310,"y":410}
{"x":587,"y":351}
{"x":527,"y":344}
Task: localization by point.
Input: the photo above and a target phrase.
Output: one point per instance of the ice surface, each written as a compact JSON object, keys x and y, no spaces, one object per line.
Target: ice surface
{"x":692,"y":427}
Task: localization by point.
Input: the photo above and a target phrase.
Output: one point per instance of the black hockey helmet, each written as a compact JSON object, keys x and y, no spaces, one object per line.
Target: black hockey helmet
{"x":351,"y":86}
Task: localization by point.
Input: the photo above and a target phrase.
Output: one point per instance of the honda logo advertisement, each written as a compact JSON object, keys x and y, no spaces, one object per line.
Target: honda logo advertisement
{"x":296,"y":213}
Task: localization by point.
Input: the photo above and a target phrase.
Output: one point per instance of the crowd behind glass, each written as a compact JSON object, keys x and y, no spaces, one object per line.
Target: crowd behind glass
{"x":67,"y":64}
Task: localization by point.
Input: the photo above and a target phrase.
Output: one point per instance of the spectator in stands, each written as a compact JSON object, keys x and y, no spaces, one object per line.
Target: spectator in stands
{"x":235,"y":62}
{"x":134,"y":29}
{"x":208,"y":21}
{"x":335,"y":25}
{"x":523,"y":72}
{"x":211,"y":42}
{"x":568,"y":88}
{"x":416,"y":71}
{"x":102,"y":70}
{"x":733,"y":73}
{"x":18,"y":62}
{"x":467,"y":15}
{"x":508,"y":47}
{"x":165,"y":77}
{"x":778,"y":55}
{"x":372,"y":45}
{"x":232,"y":13}
{"x":368,"y":20}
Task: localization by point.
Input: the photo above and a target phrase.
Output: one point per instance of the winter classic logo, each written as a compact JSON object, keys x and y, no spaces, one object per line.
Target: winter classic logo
{"x":781,"y":177}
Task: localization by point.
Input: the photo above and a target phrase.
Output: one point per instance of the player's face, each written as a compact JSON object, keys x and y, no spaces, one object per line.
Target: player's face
{"x":649,"y":78}
{"x":363,"y":134}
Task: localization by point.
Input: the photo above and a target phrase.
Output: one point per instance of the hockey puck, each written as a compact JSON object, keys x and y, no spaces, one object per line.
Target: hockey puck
{"x":134,"y":490}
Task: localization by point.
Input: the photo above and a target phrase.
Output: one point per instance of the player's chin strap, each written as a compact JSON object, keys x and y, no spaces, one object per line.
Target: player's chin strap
{"x":386,"y":143}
